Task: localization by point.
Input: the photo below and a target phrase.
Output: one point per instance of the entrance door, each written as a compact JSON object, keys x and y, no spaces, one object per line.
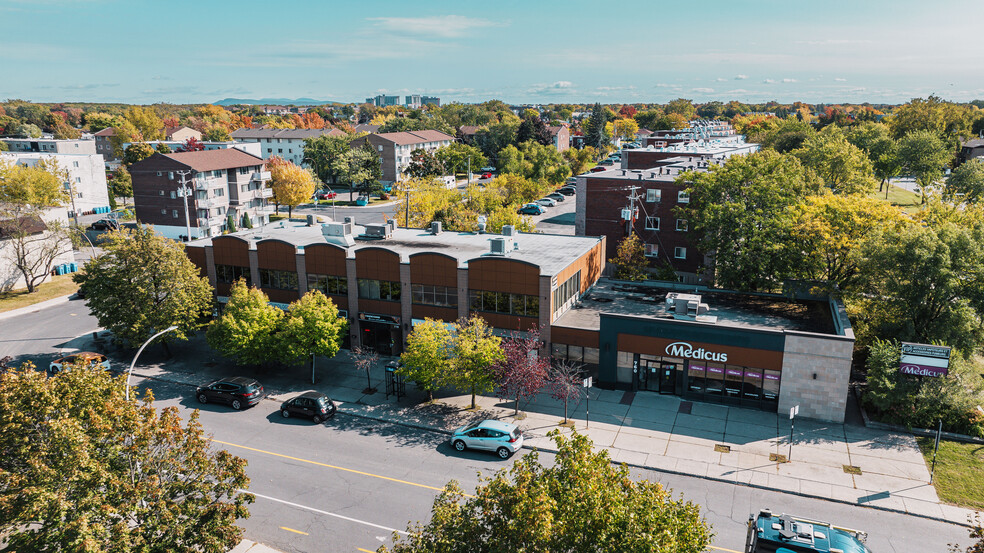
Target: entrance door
{"x":667,"y":378}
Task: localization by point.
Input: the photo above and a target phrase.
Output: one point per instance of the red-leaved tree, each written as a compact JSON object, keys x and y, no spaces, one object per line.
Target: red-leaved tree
{"x":566,"y":382}
{"x":523,"y":372}
{"x":192,"y":145}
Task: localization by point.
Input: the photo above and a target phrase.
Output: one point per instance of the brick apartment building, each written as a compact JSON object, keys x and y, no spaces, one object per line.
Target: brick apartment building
{"x":104,"y":145}
{"x":220,"y":183}
{"x":394,"y":149}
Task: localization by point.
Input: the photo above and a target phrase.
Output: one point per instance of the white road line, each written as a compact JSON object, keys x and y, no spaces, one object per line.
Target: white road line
{"x":320,"y":512}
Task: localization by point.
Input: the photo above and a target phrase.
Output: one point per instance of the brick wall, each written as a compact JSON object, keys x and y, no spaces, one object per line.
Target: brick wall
{"x":828,"y":358}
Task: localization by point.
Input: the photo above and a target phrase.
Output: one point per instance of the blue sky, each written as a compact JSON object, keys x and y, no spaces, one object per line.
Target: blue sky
{"x":142,"y":51}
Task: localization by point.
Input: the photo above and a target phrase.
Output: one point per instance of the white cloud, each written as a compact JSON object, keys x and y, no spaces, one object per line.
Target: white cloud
{"x":739,"y":91}
{"x":721,"y":80}
{"x":769,"y":81}
{"x":614,"y":88}
{"x":741,"y":77}
{"x":789,"y":80}
{"x":439,"y":26}
{"x":703,"y":90}
{"x":833,"y":42}
{"x":557,"y":87}
{"x":840,"y":80}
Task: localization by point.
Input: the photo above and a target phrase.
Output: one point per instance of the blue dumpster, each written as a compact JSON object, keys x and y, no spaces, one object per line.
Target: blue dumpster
{"x":74,"y":266}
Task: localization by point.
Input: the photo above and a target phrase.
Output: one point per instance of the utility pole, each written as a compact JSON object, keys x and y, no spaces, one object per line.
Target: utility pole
{"x":469,"y":170}
{"x":630,"y":220}
{"x":406,"y":208}
{"x":184,"y":191}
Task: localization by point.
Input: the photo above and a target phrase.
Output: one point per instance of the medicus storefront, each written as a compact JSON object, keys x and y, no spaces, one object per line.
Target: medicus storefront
{"x":759,"y":351}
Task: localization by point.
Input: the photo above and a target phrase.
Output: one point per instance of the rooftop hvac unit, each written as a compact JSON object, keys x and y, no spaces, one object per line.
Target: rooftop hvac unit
{"x":435,"y":228}
{"x":336,"y":229}
{"x":508,"y":230}
{"x":500,"y":245}
{"x":377,"y":232}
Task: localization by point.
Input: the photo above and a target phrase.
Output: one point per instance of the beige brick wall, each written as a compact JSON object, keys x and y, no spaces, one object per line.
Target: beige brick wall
{"x":806,"y":355}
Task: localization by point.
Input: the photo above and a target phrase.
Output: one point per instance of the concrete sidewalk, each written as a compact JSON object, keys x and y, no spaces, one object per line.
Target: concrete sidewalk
{"x":838,"y":462}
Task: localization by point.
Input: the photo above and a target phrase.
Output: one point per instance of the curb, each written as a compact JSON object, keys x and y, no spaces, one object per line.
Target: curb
{"x":634,"y":465}
{"x":35,"y":307}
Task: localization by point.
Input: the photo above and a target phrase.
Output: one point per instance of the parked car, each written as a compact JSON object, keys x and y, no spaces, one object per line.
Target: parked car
{"x":488,"y":169}
{"x":237,"y":391}
{"x":83,"y":357}
{"x":316,"y":406}
{"x":491,"y":435}
{"x":556,"y":196}
{"x":105,"y":224}
{"x":572,"y":181}
{"x":330,"y":195}
{"x":549,"y":202}
{"x":567,"y":191}
{"x":487,"y":175}
{"x":606,"y":163}
{"x":598,"y":168}
{"x":531,"y":209}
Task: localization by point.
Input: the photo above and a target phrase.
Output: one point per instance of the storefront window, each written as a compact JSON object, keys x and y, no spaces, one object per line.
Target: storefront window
{"x":575,"y":354}
{"x":715,"y":379}
{"x":752,"y":387}
{"x":591,"y":356}
{"x":696,"y":377}
{"x":732,"y":381}
{"x":558,"y":351}
{"x":770,"y":386}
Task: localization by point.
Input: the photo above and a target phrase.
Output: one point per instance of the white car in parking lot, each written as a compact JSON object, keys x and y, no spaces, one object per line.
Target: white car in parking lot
{"x":549,"y":202}
{"x":491,"y":435}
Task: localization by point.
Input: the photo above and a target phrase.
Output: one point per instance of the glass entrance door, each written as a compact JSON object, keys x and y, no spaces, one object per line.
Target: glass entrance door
{"x":667,"y":378}
{"x":649,"y":375}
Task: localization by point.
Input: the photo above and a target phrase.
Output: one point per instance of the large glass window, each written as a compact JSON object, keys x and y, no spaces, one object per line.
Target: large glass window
{"x":752,"y":386}
{"x":566,"y":291}
{"x":278,"y":280}
{"x":732,"y":381}
{"x":501,"y":302}
{"x":770,"y":385}
{"x":427,"y":294}
{"x":379,"y":289}
{"x":232,"y":273}
{"x":695,"y":378}
{"x":328,"y":284}
{"x":714,"y":380}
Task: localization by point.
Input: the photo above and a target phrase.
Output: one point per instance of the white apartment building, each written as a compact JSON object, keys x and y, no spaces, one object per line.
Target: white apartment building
{"x":284,"y":143}
{"x":86,"y":176}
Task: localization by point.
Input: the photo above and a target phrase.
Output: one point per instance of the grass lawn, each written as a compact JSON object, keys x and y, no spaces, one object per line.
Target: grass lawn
{"x":56,"y":287}
{"x":908,"y":201}
{"x":959,"y":472}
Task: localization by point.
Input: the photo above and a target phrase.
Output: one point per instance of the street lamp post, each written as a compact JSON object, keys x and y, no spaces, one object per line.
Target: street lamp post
{"x":134,"y":362}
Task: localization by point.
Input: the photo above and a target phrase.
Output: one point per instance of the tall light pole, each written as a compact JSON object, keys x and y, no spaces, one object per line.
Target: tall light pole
{"x":139,"y":351}
{"x":185,"y":190}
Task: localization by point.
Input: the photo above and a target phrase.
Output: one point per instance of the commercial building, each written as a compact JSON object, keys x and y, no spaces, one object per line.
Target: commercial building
{"x":86,"y":178}
{"x":216,"y":184}
{"x":413,"y":101}
{"x":51,"y":145}
{"x":760,"y":351}
{"x":283,"y":143}
{"x":394,"y":149}
{"x":432,"y":100}
{"x":387,"y":279}
{"x":382,"y":100}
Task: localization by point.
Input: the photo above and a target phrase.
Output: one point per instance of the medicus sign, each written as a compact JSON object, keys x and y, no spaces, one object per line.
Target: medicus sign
{"x":924,"y":359}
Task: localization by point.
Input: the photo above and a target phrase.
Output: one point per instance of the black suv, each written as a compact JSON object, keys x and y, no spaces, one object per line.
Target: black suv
{"x":317,"y":406}
{"x":237,"y":391}
{"x":105,"y":224}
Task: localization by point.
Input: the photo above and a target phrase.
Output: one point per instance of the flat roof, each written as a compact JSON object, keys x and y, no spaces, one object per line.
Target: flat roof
{"x":551,"y":252}
{"x":732,"y":309}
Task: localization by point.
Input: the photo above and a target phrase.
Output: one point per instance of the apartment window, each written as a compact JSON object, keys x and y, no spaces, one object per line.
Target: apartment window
{"x":159,"y":173}
{"x":328,"y":284}
{"x":244,"y":170}
{"x":170,"y":175}
{"x":654,"y":195}
{"x":163,"y":212}
{"x":75,"y":163}
{"x":232,"y":273}
{"x":278,"y":280}
{"x":217,"y":173}
{"x":427,"y":294}
{"x":681,"y":224}
{"x":243,"y":188}
{"x":501,"y":302}
{"x":652,"y":250}
{"x":380,"y":148}
{"x":219,"y":192}
{"x":161,"y":191}
{"x":680,"y":253}
{"x":683,"y":197}
{"x":269,"y":150}
{"x":652,"y":223}
{"x":566,"y":291}
{"x":379,"y":289}
{"x":173,"y":195}
{"x":280,"y":150}
{"x":174,"y":213}
{"x":290,"y":150}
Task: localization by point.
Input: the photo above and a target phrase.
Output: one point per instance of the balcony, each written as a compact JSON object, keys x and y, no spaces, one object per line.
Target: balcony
{"x":210,"y":202}
{"x":261,"y":176}
{"x":264,"y":193}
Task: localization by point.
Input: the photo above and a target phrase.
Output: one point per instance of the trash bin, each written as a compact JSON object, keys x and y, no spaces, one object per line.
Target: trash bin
{"x":74,"y":266}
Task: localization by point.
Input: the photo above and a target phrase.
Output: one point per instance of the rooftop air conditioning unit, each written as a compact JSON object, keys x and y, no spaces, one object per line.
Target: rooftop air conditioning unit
{"x":508,"y":230}
{"x":500,"y":245}
{"x":435,"y":228}
{"x":377,"y":232}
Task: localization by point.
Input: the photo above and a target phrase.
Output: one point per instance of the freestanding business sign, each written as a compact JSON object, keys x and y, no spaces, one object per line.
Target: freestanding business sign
{"x":924,"y":359}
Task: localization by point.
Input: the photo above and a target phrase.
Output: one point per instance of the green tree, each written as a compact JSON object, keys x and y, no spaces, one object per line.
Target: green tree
{"x":324,"y":155}
{"x":311,"y":327}
{"x":121,"y":185}
{"x":582,"y":502}
{"x":144,"y":283}
{"x":97,"y":121}
{"x":423,"y":164}
{"x":230,"y":223}
{"x":649,"y":119}
{"x":594,"y":128}
{"x":475,"y":351}
{"x":361,"y":169}
{"x":84,"y":469}
{"x":247,"y":329}
{"x":626,"y":129}
{"x":533,"y":128}
{"x":217,"y":133}
{"x":459,"y":157}
{"x":740,"y":211}
{"x":162,"y":148}
{"x":426,"y":358}
{"x":28,"y":130}
{"x":580,"y":159}
{"x":923,"y":284}
{"x":137,"y":151}
{"x":844,"y":168}
{"x":682,"y":107}
{"x":146,"y":121}
{"x":291,"y":184}
{"x":630,"y":259}
{"x":788,"y":135}
{"x":923,"y":155}
{"x":493,"y":138}
{"x":966,"y":183}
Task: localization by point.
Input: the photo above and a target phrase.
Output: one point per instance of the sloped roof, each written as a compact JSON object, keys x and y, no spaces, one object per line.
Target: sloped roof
{"x":169,"y":131}
{"x":415,"y":137}
{"x":285,"y":133}
{"x":211,"y":160}
{"x":974,"y":143}
{"x":468,"y":130}
{"x":28,"y":223}
{"x":108,"y":131}
{"x":365,"y":127}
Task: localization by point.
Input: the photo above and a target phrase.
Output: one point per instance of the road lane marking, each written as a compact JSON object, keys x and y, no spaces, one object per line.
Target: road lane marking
{"x":320,"y":512}
{"x":294,"y":531}
{"x":353,"y":471}
{"x":722,"y":549}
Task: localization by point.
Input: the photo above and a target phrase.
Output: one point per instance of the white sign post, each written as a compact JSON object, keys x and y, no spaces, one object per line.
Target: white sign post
{"x":793,"y":411}
{"x":587,"y":399}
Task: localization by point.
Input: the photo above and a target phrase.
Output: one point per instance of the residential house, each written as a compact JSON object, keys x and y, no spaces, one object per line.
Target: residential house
{"x":394,"y":149}
{"x":181,"y":134}
{"x":561,"y":137}
{"x":215,"y":183}
{"x":971,"y":149}
{"x":104,"y":144}
{"x":39,"y":238}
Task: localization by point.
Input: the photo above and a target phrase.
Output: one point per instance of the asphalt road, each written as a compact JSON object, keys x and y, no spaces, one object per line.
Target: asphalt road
{"x":348,"y":484}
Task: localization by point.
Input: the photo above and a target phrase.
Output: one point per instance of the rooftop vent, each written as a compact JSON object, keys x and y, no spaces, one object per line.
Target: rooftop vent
{"x":377,"y":232}
{"x":338,"y":233}
{"x":349,"y":220}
